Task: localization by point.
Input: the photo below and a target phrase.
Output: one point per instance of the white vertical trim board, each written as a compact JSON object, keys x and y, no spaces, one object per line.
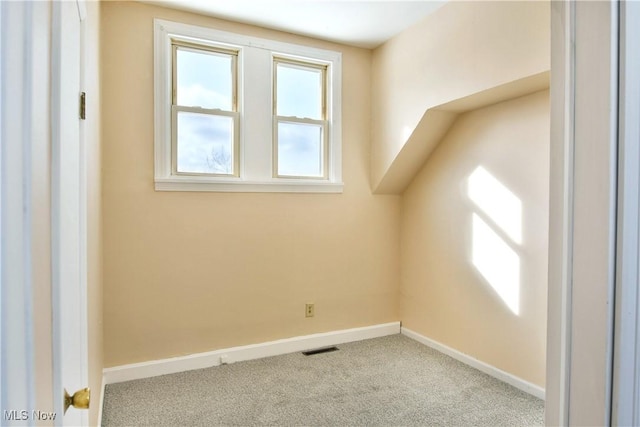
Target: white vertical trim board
{"x":103,"y":385}
{"x":499,"y":374}
{"x":17,"y":127}
{"x":248,"y":352}
{"x":559,"y":302}
{"x":583,"y":217}
{"x":626,"y":368}
{"x":593,"y":261}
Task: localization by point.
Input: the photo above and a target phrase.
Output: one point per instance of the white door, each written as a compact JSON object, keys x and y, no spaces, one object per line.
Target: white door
{"x":68,"y":211}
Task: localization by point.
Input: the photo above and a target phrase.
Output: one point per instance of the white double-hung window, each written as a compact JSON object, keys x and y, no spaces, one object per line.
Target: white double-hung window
{"x":204,"y":115}
{"x":239,"y":113}
{"x":300,"y":127}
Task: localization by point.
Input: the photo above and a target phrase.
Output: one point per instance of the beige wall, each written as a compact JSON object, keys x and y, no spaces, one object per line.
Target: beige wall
{"x":444,"y":296}
{"x":192,"y":272}
{"x":462,"y":48}
{"x":94,"y":207}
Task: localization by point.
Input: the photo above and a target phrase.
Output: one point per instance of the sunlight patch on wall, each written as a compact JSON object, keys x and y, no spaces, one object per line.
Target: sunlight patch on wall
{"x":497,"y":263}
{"x":496,"y":230}
{"x":497,"y":201}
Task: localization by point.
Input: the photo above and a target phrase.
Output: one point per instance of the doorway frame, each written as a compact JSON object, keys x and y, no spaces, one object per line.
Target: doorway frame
{"x":25,"y":269}
{"x":626,"y":366}
{"x":593,"y":339}
{"x":69,"y":302}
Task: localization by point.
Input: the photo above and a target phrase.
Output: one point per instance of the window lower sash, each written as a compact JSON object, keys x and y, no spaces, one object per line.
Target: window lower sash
{"x":300,"y":149}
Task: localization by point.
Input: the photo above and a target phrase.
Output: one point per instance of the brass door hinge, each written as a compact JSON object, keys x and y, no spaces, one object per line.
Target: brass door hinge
{"x":83,"y":106}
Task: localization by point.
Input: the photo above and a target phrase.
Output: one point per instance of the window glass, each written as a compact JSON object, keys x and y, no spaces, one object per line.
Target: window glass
{"x":300,"y":149}
{"x":204,"y":143}
{"x":299,"y":91}
{"x":204,"y":79}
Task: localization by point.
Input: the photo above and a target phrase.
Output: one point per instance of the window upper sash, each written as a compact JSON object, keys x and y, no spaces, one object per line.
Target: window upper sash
{"x":301,"y":66}
{"x":196,"y":48}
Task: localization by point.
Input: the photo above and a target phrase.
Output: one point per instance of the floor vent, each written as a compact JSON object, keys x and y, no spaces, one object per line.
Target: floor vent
{"x":320,"y":350}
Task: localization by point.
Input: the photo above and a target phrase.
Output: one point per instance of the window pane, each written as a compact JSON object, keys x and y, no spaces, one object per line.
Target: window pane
{"x":299,"y":91}
{"x":299,"y":150}
{"x":204,"y":79}
{"x":204,"y":143}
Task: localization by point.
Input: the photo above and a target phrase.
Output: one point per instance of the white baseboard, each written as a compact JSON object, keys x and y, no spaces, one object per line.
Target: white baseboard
{"x":506,"y":377}
{"x":248,"y":352}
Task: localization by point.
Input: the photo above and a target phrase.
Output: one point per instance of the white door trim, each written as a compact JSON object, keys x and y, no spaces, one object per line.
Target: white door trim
{"x":25,"y":315}
{"x":56,"y":76}
{"x":19,"y":110}
{"x":582,"y":241}
{"x":626,"y":382}
{"x":561,"y":214}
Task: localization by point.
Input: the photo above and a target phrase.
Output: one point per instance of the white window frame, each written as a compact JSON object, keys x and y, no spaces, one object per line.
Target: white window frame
{"x":322,"y":122}
{"x":177,"y":108}
{"x":255,"y":70}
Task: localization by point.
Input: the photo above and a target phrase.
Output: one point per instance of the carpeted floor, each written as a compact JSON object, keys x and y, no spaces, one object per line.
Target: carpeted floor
{"x":389,"y":381}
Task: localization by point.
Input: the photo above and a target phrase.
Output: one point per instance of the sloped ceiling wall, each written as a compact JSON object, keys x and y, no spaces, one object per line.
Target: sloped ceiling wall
{"x":464,"y":49}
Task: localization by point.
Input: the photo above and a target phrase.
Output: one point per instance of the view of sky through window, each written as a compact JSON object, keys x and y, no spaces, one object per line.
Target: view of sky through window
{"x":299,"y":94}
{"x":205,"y":142}
{"x":299,"y":149}
{"x":204,"y":79}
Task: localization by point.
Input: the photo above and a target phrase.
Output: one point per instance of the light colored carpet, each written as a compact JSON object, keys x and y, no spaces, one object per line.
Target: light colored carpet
{"x":389,"y":381}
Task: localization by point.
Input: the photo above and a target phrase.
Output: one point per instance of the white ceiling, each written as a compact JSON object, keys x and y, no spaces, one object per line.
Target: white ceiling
{"x":358,"y":23}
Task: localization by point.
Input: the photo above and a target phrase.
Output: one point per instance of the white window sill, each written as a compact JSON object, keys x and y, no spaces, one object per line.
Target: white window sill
{"x":239,"y":186}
